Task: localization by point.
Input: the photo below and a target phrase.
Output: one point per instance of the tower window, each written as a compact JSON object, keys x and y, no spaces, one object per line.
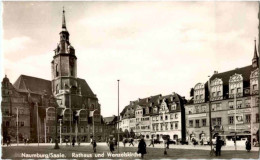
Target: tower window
{"x":57,"y":72}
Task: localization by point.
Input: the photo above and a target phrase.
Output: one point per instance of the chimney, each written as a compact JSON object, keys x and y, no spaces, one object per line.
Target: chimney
{"x":215,"y":72}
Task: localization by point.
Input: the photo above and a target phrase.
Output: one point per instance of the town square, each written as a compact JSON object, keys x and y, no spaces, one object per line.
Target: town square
{"x":130,"y":80}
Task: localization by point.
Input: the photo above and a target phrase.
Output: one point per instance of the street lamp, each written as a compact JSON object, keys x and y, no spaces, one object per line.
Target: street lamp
{"x":210,"y":125}
{"x":17,"y":124}
{"x":93,"y":124}
{"x":118,"y":118}
{"x":56,"y":134}
{"x":60,"y":132}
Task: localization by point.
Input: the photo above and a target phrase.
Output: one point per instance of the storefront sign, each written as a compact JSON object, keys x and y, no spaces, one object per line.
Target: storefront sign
{"x":247,"y":110}
{"x":197,"y":115}
{"x":239,"y":127}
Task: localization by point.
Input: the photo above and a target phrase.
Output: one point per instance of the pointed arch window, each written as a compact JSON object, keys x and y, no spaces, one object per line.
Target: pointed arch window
{"x":57,"y":71}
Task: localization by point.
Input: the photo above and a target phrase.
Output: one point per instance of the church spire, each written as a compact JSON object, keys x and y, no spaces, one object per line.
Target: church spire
{"x":63,"y":20}
{"x":255,"y":58}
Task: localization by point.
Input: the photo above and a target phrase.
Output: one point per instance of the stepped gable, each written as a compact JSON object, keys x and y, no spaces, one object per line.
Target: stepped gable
{"x":33,"y":85}
{"x":85,"y":89}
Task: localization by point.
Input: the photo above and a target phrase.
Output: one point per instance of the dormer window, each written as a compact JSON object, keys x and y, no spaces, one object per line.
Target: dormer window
{"x":216,"y":88}
{"x":174,"y":106}
{"x":236,"y":85}
{"x":199,"y":93}
{"x":254,"y":81}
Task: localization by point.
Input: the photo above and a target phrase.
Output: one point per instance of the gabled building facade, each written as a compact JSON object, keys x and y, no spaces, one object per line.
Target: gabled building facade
{"x":156,"y":116}
{"x":225,"y":91}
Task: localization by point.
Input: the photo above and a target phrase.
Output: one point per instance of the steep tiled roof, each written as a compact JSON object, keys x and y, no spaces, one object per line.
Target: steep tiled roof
{"x":33,"y":84}
{"x":225,"y":76}
{"x":85,"y":89}
{"x":109,"y":119}
{"x":38,"y":86}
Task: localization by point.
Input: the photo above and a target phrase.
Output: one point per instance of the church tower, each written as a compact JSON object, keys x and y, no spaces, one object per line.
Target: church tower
{"x":255,"y":58}
{"x":64,"y":64}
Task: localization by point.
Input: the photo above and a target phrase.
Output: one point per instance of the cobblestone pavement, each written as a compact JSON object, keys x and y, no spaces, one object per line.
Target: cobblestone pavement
{"x":85,"y":151}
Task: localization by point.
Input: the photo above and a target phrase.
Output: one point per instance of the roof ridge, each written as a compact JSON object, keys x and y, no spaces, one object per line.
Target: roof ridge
{"x":231,"y":70}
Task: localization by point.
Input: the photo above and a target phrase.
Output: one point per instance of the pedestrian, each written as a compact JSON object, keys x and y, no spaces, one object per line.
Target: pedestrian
{"x":73,"y":142}
{"x":152,"y":142}
{"x":94,"y":145}
{"x":124,"y":141}
{"x":142,"y":147}
{"x":131,"y":142}
{"x":111,"y":146}
{"x":79,"y":142}
{"x":115,"y":143}
{"x":24,"y":141}
{"x":219,"y":144}
{"x":248,"y":145}
{"x":168,"y":142}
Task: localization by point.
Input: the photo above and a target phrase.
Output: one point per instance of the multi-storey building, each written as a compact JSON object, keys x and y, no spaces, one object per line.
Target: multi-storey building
{"x":230,"y":93}
{"x":34,"y":102}
{"x":156,"y":116}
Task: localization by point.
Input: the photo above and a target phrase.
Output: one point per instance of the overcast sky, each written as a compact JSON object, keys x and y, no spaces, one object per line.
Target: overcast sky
{"x":152,"y":47}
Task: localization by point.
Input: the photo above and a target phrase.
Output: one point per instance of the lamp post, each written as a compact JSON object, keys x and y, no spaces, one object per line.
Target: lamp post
{"x":210,"y":123}
{"x":37,"y":123}
{"x":235,"y":105}
{"x":93,"y":124}
{"x":60,"y":132}
{"x":117,"y":118}
{"x":17,"y":124}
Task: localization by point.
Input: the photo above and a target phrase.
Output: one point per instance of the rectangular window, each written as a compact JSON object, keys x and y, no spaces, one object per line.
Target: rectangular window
{"x":166,"y":117}
{"x":218,"y":106}
{"x":171,"y":126}
{"x":255,"y":87}
{"x":161,"y":126}
{"x":232,"y":91}
{"x":247,"y":102}
{"x":22,"y":124}
{"x":161,"y":118}
{"x":257,"y":118}
{"x":214,"y":121}
{"x":214,"y":94}
{"x":239,"y":90}
{"x":219,"y":121}
{"x":204,"y":122}
{"x":191,"y":123}
{"x":213,"y":107}
{"x":248,"y":118}
{"x":239,"y":104}
{"x":231,"y":120}
{"x":231,"y":104}
{"x":171,"y":116}
{"x":47,"y":129}
{"x":203,"y":108}
{"x":197,"y":123}
{"x":176,"y":125}
{"x":218,"y":93}
{"x":64,"y":129}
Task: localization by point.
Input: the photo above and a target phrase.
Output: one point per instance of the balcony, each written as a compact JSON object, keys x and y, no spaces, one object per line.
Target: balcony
{"x":216,"y":98}
{"x":255,"y":92}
